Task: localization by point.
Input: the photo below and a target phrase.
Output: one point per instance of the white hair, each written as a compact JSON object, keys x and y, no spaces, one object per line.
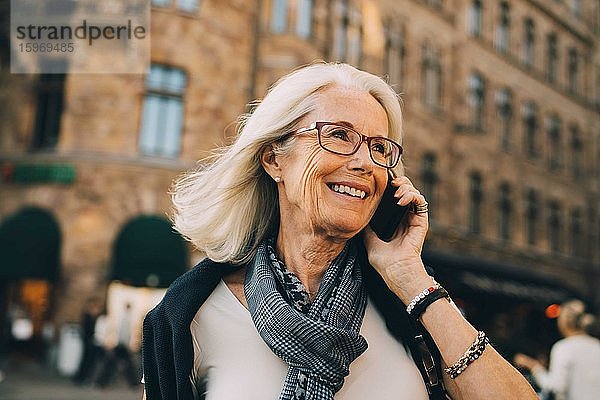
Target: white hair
{"x":573,"y":315}
{"x":226,"y":207}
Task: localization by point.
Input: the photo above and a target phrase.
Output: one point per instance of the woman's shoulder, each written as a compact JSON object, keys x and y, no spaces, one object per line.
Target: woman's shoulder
{"x":185,"y":295}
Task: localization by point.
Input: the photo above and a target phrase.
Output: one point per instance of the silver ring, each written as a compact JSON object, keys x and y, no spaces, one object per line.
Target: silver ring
{"x":422,"y":208}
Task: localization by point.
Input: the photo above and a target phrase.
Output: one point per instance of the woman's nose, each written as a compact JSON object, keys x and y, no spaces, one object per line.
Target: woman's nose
{"x":361,"y":160}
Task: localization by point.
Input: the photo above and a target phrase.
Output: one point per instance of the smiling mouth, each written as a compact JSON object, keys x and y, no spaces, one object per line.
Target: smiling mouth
{"x":347,"y":190}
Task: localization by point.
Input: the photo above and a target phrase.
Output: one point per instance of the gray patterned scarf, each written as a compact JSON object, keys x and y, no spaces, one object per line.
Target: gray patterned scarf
{"x":317,"y":340}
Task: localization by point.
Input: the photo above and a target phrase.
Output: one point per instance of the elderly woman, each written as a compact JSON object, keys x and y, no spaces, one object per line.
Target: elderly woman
{"x":298,"y":298}
{"x":574,"y":372}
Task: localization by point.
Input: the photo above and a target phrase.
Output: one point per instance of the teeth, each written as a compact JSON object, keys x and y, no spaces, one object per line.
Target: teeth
{"x":348,"y":190}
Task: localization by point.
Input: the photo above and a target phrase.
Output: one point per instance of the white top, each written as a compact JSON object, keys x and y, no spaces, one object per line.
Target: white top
{"x":239,"y":365}
{"x":574,"y":372}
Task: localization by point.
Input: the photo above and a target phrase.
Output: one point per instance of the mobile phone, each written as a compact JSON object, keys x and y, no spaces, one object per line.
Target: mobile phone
{"x":389,"y":216}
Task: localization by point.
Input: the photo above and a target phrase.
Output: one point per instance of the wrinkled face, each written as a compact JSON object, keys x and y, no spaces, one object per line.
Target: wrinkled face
{"x":313,"y":179}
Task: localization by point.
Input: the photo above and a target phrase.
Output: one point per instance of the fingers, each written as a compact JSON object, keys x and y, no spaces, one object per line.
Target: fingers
{"x":406,"y":192}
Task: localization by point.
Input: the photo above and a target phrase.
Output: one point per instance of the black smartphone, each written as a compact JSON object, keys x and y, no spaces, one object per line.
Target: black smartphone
{"x":389,"y":216}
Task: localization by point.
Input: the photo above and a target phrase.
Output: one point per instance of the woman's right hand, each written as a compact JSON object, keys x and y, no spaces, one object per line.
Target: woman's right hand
{"x":399,"y":261}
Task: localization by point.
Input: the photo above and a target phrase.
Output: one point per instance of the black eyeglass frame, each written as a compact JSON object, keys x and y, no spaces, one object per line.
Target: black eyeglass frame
{"x":364,"y":138}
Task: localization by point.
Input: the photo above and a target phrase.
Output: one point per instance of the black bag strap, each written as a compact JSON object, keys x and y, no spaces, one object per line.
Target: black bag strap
{"x":428,"y":360}
{"x":412,"y":334}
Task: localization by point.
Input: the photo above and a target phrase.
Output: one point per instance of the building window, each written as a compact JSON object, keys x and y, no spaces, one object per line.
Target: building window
{"x":474,"y":18}
{"x":552,"y":57}
{"x":576,"y":248}
{"x":554,"y":139}
{"x":505,"y":206}
{"x":430,"y":179}
{"x":576,"y":7}
{"x":304,"y":20}
{"x":394,"y":55}
{"x":161,"y":3}
{"x":162,"y":116}
{"x":347,"y":33}
{"x":188,"y":6}
{"x":435,"y":3}
{"x":554,"y":226}
{"x":49,"y":108}
{"x":503,"y":29}
{"x":279,"y":15}
{"x":475,"y":203}
{"x":532,"y":217}
{"x":476,"y":101}
{"x":505,"y":112}
{"x":528,"y":43}
{"x":598,"y":87}
{"x":530,"y":125}
{"x":431,"y":72}
{"x":573,"y":71}
{"x":576,"y":153}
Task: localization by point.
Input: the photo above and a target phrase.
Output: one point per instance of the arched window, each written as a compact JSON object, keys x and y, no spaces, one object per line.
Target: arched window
{"x":530,"y":125}
{"x":148,"y":253}
{"x":505,"y":112}
{"x":430,"y":179}
{"x":555,"y":143}
{"x":30,"y":246}
{"x":431,"y":72}
{"x":532,"y":216}
{"x":476,"y":100}
{"x":505,"y":212}
{"x":528,"y":42}
{"x":475,"y":202}
{"x":503,"y":28}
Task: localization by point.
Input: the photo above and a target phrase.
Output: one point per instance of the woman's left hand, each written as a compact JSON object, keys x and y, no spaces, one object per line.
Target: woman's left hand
{"x":399,"y":261}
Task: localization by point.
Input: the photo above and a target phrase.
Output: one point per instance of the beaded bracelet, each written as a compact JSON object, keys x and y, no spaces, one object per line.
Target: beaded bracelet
{"x":421,"y":296}
{"x":422,"y":305}
{"x":473,"y":353}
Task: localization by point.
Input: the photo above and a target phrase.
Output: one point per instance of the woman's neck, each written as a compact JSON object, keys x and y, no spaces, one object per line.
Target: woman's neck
{"x":307,"y":255}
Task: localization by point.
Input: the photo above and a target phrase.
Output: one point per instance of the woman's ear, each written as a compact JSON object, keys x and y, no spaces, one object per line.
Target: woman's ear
{"x":269,"y":161}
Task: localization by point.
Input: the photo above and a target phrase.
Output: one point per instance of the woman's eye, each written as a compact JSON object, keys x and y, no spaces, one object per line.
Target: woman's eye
{"x":378,"y":147}
{"x":340,"y":134}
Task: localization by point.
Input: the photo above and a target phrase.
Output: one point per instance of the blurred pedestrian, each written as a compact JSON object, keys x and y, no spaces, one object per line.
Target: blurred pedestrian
{"x":574,"y":372}
{"x":92,"y":351}
{"x":121,"y":354}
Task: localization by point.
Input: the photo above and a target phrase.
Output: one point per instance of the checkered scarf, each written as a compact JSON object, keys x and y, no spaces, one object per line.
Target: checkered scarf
{"x":318,"y":341}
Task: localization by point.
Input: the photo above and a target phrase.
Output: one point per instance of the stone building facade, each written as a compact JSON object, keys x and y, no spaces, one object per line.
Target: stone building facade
{"x":502,"y":133}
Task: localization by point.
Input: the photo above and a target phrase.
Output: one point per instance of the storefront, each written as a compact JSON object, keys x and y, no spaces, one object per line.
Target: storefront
{"x":506,"y":301}
{"x":29,"y":270}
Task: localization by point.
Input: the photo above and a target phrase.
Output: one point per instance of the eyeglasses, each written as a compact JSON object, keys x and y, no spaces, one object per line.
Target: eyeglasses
{"x":342,"y":140}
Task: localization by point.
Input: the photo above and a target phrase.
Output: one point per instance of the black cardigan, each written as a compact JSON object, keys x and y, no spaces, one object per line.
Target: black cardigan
{"x":167,"y":350}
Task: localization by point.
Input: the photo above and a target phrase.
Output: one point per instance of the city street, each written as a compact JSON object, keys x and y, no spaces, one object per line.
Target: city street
{"x":36,"y":382}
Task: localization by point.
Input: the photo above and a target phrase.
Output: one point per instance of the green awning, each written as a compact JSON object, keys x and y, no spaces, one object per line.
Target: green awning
{"x":29,"y":246}
{"x":147,"y":252}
